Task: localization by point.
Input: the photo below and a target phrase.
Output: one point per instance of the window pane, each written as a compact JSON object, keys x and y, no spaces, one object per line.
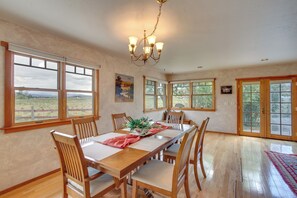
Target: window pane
{"x":286,"y":97}
{"x":35,"y":105}
{"x":286,"y":130}
{"x":274,"y":97}
{"x":78,"y":82}
{"x":51,"y":65}
{"x":274,"y":87}
{"x":79,"y":70}
{"x":89,"y":72}
{"x":286,"y":108}
{"x":275,"y":129}
{"x":275,"y":118}
{"x":69,"y":68}
{"x":286,"y":119}
{"x":79,"y":104}
{"x":31,"y":77}
{"x":150,"y":87}
{"x":286,"y":87}
{"x":199,"y":88}
{"x":150,"y":102}
{"x":181,"y":89}
{"x":21,"y":59}
{"x":203,"y":101}
{"x":161,"y":101}
{"x":181,"y":101}
{"x":161,"y":89}
{"x":38,"y":62}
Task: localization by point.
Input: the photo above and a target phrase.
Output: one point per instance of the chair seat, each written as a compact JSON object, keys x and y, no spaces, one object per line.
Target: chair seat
{"x":173,"y":150}
{"x":156,"y":173}
{"x":97,"y":185}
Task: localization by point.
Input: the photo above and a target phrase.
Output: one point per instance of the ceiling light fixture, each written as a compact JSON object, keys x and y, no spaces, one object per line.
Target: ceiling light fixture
{"x":147,"y":43}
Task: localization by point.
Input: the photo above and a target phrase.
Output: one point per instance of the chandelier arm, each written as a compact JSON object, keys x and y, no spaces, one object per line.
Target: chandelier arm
{"x":155,"y":58}
{"x":158,"y":19}
{"x":136,"y":58}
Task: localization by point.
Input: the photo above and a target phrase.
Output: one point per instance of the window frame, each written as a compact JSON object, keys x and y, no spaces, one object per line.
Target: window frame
{"x":9,"y":95}
{"x":191,"y":95}
{"x":156,"y":108}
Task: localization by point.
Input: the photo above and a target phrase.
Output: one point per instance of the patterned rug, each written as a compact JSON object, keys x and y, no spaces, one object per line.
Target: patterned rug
{"x":286,"y":164}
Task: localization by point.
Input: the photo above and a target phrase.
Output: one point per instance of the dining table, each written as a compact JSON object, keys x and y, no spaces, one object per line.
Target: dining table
{"x":119,"y":162}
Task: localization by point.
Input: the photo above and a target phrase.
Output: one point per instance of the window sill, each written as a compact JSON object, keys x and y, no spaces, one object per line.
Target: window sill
{"x":32,"y":126}
{"x":192,"y":109}
{"x":153,"y":110}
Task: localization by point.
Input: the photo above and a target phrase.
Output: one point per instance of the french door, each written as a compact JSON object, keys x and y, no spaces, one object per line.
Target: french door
{"x":267,"y":107}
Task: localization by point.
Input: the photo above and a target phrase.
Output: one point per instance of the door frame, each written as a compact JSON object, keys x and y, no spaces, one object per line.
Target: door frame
{"x":265,"y":106}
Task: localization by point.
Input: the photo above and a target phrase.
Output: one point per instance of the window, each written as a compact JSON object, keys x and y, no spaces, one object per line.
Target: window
{"x":155,"y":95}
{"x":46,"y":91}
{"x":195,"y":95}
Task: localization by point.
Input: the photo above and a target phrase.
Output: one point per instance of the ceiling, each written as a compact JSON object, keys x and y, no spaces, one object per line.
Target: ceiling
{"x":214,"y":34}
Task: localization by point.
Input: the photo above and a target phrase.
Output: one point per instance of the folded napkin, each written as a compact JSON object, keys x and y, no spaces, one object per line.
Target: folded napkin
{"x":122,"y":141}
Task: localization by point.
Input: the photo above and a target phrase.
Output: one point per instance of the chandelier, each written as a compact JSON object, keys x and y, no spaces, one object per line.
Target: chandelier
{"x":147,"y":44}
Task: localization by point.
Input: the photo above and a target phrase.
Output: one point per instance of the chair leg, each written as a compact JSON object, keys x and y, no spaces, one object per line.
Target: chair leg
{"x":196,"y":176}
{"x":186,"y":184}
{"x":134,"y":189}
{"x":202,"y":167}
{"x":124,"y":188}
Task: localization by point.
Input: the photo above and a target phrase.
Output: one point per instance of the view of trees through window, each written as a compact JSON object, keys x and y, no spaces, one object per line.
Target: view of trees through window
{"x":155,"y":95}
{"x":196,"y":95}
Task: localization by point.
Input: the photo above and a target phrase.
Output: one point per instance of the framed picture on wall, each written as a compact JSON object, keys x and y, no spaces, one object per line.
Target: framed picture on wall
{"x":226,"y":89}
{"x":124,"y":88}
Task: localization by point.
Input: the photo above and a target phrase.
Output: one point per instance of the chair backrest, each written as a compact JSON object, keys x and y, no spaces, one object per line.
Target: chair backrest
{"x":182,"y":159}
{"x":200,"y":137}
{"x":73,"y":164}
{"x":175,"y":117}
{"x":119,"y":120}
{"x":85,"y":128}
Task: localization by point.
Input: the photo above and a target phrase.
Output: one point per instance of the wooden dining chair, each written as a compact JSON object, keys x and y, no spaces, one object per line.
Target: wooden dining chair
{"x":78,"y":179}
{"x":119,"y":120}
{"x":85,"y":128}
{"x":163,"y":177}
{"x":175,"y":117}
{"x":196,"y":155}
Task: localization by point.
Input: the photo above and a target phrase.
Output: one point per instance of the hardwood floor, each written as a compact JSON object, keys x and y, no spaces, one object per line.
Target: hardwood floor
{"x":236,"y":166}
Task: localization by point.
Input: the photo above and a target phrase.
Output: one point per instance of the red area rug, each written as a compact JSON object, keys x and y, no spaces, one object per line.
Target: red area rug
{"x":286,"y":164}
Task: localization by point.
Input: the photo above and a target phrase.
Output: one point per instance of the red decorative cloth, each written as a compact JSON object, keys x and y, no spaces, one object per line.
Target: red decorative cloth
{"x":126,"y":140}
{"x":122,"y":141}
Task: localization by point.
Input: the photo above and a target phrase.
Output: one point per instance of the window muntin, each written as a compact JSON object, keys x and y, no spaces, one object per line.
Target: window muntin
{"x":197,"y":95}
{"x":155,"y":96}
{"x":36,"y":84}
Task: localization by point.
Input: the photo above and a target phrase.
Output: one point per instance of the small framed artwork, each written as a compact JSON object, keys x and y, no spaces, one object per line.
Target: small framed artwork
{"x":124,"y":88}
{"x":226,"y":89}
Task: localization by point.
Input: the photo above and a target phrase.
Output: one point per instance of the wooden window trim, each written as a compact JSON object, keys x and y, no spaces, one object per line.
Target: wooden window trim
{"x":155,"y":96}
{"x":191,"y":108}
{"x":9,"y":97}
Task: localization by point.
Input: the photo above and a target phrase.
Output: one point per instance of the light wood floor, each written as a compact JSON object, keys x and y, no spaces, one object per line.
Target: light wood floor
{"x":236,"y":166}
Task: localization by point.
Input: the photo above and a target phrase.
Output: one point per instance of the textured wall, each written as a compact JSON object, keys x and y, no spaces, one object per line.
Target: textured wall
{"x":224,"y":119}
{"x":28,"y":154}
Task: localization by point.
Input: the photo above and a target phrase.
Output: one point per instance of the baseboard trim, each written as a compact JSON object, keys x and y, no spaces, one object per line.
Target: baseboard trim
{"x":28,"y":181}
{"x":220,"y":132}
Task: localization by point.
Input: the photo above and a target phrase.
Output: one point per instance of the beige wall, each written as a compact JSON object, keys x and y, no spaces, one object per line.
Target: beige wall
{"x":224,"y":118}
{"x":28,"y":154}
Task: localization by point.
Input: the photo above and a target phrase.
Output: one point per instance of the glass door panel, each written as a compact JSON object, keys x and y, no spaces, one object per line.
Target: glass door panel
{"x":280,"y":108}
{"x":251,"y":114}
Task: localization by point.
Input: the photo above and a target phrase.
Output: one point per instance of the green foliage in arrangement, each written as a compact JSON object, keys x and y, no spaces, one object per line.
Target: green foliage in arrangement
{"x":142,"y":123}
